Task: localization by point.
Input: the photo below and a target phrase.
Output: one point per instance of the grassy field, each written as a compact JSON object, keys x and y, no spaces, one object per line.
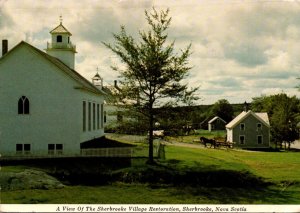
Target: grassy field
{"x":279,"y":169}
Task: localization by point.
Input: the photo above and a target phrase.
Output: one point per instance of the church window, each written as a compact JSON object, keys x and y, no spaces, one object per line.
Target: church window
{"x":102,"y":119}
{"x":23,"y":105}
{"x":98,"y":116}
{"x":19,"y":148}
{"x":27,"y":148}
{"x":55,"y":149}
{"x":89,"y":116}
{"x":84,"y":116}
{"x":68,"y":39}
{"x":59,"y":149}
{"x":51,"y":148}
{"x":23,"y":148}
{"x":59,"y":38}
{"x":94,"y":116}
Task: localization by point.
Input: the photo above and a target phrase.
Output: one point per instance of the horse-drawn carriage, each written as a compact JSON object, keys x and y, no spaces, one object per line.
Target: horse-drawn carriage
{"x":216,"y":142}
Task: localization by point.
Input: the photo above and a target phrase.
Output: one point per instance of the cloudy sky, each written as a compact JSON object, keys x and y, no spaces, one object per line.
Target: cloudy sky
{"x":241,"y":49}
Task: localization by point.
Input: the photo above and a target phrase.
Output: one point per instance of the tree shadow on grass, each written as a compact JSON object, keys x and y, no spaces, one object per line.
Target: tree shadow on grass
{"x":209,"y":182}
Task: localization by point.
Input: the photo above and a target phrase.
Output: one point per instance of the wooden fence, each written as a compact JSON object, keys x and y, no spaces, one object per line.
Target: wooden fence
{"x":108,"y":152}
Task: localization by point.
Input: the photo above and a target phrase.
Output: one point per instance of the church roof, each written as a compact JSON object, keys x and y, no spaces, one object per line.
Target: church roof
{"x":85,"y":84}
{"x":97,"y":76}
{"x":60,"y":29}
{"x":261,"y":116}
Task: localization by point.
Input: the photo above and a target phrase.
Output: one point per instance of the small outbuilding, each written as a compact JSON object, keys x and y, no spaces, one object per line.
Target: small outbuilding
{"x":216,"y":123}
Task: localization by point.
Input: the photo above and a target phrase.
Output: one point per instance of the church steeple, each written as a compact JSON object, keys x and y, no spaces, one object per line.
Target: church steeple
{"x":97,"y":80}
{"x":61,"y":46}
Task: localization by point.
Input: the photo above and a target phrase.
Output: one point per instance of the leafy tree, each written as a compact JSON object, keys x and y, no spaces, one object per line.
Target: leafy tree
{"x":153,"y":71}
{"x":223,"y":109}
{"x":283,"y":112}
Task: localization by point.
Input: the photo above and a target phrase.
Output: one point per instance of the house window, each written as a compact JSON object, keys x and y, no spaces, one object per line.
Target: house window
{"x":94,"y":116}
{"x":55,"y":149}
{"x":119,"y":116}
{"x":242,"y":139}
{"x":104,"y":117}
{"x":23,"y":105}
{"x":98,"y":116}
{"x":259,"y":139}
{"x":259,"y":126}
{"x":23,"y":148}
{"x":102,"y":109}
{"x":242,"y":126}
{"x":59,"y":38}
{"x":84,"y":116}
{"x":90,"y":116}
{"x":68,"y":39}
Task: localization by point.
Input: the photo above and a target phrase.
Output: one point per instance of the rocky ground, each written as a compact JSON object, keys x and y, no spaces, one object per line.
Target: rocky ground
{"x":28,"y":179}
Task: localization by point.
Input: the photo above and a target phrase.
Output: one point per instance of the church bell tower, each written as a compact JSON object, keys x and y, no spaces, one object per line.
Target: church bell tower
{"x":61,"y":46}
{"x":97,"y":80}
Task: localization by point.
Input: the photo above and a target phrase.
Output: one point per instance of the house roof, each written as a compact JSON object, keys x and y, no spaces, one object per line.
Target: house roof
{"x":60,"y":29}
{"x":262,"y":116}
{"x":215,"y":118}
{"x":85,"y":84}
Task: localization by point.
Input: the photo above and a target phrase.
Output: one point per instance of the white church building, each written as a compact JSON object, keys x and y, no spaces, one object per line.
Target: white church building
{"x":46,"y":107}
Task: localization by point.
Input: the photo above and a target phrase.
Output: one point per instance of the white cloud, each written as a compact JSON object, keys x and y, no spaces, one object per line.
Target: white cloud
{"x":241,"y":49}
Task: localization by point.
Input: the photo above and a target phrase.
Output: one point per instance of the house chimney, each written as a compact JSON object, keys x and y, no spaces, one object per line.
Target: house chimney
{"x":4,"y":47}
{"x":246,"y":107}
{"x":116,"y":85}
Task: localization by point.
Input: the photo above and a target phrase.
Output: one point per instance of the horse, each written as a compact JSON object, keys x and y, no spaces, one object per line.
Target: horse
{"x":205,"y":141}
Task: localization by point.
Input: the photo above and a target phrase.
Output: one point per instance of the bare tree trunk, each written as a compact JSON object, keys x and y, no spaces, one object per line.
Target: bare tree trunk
{"x":151,"y":126}
{"x":284,"y":145}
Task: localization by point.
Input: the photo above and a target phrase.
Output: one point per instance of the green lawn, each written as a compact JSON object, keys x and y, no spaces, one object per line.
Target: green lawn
{"x":279,"y":168}
{"x":275,"y":166}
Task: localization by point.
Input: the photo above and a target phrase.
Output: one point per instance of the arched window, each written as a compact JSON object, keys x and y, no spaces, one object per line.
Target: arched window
{"x":23,"y":105}
{"x":59,"y":38}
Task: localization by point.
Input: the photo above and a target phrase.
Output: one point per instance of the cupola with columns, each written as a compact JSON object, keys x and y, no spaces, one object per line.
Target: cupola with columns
{"x":61,"y":46}
{"x":97,"y":80}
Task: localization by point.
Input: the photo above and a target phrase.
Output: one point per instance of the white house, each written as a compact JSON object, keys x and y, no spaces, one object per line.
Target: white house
{"x":249,"y":130}
{"x":46,"y":108}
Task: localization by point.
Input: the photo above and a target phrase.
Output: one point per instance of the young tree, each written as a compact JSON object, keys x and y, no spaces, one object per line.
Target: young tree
{"x":153,"y":71}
